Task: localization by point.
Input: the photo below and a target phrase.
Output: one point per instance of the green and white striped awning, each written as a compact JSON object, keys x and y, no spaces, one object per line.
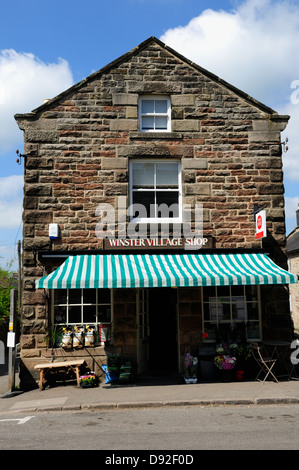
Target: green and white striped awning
{"x":172,"y":270}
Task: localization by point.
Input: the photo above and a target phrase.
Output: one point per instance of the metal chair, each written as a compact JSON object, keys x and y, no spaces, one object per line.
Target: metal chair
{"x":265,"y":363}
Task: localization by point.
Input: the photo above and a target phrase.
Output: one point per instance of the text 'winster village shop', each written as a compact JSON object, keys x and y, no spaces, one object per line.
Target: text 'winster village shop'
{"x":141,"y":188}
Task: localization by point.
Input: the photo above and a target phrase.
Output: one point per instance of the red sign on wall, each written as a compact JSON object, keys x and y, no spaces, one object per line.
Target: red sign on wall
{"x":260,"y":224}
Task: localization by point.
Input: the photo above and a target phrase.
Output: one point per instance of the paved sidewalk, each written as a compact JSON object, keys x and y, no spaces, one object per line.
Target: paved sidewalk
{"x":148,"y":394}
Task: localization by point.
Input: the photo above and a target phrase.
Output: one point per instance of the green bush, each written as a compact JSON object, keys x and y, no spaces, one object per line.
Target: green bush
{"x":6,"y":284}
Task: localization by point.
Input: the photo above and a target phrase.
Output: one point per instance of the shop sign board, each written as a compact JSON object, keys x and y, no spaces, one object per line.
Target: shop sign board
{"x":260,"y":224}
{"x":148,"y":243}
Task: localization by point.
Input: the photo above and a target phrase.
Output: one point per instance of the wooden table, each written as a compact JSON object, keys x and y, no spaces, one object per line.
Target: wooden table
{"x":58,"y":366}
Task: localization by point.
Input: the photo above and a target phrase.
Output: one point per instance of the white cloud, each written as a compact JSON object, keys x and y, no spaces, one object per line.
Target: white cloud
{"x":25,"y":81}
{"x":10,"y":214}
{"x":291,"y":157}
{"x":10,"y":186}
{"x":11,"y":200}
{"x":291,"y":206}
{"x":8,"y":254}
{"x":256,"y":48}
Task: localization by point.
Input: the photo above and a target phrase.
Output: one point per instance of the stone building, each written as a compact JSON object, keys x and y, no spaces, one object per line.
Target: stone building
{"x":151,"y":128}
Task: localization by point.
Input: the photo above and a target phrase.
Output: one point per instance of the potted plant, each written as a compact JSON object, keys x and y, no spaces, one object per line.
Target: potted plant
{"x":89,"y":380}
{"x":225,"y":361}
{"x":54,"y":339}
{"x":55,"y":336}
{"x":190,"y":368}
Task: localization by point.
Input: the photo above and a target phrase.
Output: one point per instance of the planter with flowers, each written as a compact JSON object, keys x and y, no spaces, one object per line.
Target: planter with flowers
{"x":225,"y":361}
{"x":89,"y":380}
{"x":190,"y":368}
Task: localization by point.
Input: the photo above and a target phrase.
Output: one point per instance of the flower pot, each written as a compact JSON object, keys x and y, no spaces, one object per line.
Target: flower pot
{"x":240,"y":375}
{"x":88,"y":381}
{"x":88,"y":385}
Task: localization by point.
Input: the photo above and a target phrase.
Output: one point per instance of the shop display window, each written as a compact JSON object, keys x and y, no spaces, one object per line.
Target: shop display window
{"x":85,"y":307}
{"x":226,"y":307}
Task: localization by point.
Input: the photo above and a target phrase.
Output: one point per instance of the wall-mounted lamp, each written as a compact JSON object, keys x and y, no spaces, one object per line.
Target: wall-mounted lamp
{"x":20,"y":156}
{"x":284,"y":144}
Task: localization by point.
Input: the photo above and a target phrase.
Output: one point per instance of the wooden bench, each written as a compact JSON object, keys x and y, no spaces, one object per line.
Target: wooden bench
{"x":58,"y":366}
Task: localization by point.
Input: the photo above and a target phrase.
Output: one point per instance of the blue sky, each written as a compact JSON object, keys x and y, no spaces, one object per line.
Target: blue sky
{"x":46,"y":46}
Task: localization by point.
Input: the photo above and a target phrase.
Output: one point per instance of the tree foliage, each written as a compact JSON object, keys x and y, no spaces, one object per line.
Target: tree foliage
{"x":6,"y":284}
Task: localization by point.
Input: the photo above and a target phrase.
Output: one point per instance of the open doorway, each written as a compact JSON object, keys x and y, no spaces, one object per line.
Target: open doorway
{"x":163,"y":346}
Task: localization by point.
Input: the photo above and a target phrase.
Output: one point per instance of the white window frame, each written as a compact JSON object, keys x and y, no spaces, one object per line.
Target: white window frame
{"x":229,"y":301}
{"x":67,"y":304}
{"x":157,"y":220}
{"x":154,"y":114}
